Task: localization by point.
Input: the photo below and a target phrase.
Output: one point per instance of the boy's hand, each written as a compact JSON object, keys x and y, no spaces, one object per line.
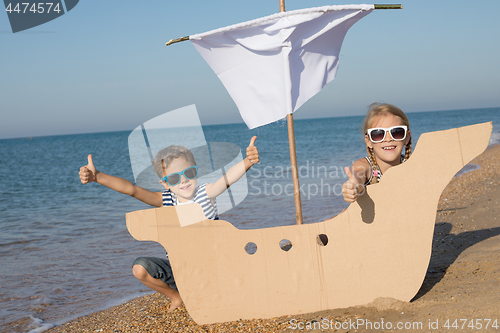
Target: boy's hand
{"x":351,"y":189}
{"x":252,"y":152}
{"x":88,"y":172}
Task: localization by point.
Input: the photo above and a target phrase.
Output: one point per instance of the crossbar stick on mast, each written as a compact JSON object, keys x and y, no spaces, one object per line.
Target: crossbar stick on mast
{"x":388,"y":6}
{"x":177,"y":40}
{"x":182,"y":39}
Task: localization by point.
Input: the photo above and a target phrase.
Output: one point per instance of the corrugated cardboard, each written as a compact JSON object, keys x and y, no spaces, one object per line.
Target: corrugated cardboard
{"x":379,"y":247}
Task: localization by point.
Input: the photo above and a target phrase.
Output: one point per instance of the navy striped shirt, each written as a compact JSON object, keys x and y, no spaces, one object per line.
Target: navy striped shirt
{"x":200,"y":197}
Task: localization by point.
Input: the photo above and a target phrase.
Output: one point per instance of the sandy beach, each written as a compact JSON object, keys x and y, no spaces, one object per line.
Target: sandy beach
{"x":461,"y":291}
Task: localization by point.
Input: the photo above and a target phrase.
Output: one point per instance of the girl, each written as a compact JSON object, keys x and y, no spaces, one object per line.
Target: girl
{"x":387,"y":132}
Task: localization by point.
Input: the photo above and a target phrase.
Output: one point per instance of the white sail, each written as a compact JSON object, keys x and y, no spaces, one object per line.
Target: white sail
{"x":272,"y":65}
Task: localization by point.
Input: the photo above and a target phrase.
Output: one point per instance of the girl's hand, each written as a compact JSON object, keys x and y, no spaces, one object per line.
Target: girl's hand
{"x":88,"y":172}
{"x":252,"y":152}
{"x":351,"y":189}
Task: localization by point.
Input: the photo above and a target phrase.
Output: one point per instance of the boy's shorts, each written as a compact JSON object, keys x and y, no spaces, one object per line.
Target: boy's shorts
{"x":158,"y":268}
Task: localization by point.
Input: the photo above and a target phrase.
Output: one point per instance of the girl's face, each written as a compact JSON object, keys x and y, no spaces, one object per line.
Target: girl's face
{"x":186,"y":188}
{"x":389,"y":151}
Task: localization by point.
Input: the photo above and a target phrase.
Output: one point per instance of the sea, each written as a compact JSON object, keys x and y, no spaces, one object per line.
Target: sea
{"x":64,"y":247}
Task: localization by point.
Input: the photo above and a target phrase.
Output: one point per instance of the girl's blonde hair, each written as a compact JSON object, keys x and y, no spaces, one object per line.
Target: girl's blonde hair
{"x":167,"y":155}
{"x":376,"y":110}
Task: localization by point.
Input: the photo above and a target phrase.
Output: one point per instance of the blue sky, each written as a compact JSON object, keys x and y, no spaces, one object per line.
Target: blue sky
{"x":104,"y":67}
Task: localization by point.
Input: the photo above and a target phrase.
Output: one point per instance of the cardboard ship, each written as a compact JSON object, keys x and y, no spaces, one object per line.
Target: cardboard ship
{"x":379,"y":247}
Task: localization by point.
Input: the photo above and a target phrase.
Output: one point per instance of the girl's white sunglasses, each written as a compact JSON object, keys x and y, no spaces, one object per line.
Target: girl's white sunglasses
{"x":376,"y":135}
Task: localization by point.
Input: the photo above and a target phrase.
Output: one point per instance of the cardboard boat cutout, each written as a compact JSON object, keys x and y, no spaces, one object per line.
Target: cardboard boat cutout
{"x":379,"y":247}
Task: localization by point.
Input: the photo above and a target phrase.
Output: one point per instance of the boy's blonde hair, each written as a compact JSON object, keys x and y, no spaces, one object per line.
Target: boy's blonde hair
{"x":167,"y":155}
{"x":376,"y":110}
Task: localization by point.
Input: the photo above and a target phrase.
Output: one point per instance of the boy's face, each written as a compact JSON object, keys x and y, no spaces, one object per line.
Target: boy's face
{"x":186,"y":188}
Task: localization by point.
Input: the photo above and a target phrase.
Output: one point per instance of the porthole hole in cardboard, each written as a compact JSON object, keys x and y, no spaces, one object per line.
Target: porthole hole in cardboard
{"x":285,"y":245}
{"x":322,"y":239}
{"x":251,"y":248}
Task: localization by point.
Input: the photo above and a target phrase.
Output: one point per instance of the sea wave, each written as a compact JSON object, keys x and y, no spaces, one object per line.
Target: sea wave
{"x":42,"y":327}
{"x":495,"y":138}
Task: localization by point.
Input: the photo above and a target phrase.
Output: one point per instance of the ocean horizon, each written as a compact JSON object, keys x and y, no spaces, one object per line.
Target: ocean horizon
{"x":296,"y":118}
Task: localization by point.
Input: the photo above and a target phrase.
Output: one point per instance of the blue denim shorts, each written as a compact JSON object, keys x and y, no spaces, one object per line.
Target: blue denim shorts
{"x":158,"y":268}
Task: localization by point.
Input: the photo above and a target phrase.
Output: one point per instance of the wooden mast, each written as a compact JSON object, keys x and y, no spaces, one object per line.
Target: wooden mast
{"x":293,"y":156}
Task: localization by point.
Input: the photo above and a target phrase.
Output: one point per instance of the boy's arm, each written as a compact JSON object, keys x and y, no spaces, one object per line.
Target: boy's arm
{"x":235,"y":173}
{"x":89,"y":174}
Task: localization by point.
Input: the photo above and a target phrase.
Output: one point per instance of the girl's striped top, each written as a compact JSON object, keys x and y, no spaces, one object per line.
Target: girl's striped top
{"x":200,"y":197}
{"x":376,"y":172}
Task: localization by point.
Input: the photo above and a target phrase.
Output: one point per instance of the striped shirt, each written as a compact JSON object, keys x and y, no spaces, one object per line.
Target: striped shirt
{"x":376,"y":172}
{"x":200,"y":197}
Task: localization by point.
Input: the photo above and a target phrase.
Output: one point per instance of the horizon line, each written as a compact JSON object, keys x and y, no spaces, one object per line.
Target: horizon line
{"x":232,"y":123}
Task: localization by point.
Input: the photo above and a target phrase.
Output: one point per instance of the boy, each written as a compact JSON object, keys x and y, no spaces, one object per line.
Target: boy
{"x":176,"y":167}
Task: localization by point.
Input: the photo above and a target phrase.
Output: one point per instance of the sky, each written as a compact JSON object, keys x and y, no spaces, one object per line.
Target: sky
{"x":104,"y":65}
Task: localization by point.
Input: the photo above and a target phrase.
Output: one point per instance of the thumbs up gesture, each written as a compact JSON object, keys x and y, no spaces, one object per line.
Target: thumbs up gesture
{"x":352,"y":188}
{"x":88,"y":172}
{"x":252,"y":152}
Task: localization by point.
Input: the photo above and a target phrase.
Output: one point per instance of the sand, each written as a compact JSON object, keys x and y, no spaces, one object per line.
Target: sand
{"x":461,"y":290}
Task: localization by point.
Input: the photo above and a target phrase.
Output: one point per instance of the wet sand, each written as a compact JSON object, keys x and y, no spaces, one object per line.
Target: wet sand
{"x":462,"y":282}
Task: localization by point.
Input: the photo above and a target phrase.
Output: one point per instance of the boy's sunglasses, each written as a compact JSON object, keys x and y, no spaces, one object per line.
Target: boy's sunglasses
{"x":175,"y":178}
{"x":376,"y":135}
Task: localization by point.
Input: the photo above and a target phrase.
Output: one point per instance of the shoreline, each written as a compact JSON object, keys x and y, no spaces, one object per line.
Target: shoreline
{"x":462,"y":281}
